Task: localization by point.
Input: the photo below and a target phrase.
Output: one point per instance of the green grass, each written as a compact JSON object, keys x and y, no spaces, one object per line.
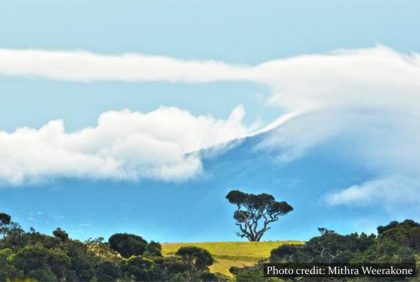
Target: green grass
{"x":228,"y":254}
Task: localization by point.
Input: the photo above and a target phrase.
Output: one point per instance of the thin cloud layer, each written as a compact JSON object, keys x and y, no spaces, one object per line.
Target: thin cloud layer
{"x":86,"y":66}
{"x":161,"y":144}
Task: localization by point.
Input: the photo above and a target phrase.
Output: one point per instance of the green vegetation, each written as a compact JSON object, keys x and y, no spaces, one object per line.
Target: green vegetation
{"x":32,"y":256}
{"x":228,"y":254}
{"x":395,"y":243}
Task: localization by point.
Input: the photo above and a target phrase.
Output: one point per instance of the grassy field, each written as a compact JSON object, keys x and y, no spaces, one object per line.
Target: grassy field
{"x":227,"y":254}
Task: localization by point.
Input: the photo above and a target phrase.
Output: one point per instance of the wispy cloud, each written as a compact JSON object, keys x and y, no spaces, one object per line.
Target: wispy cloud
{"x":87,"y":66}
{"x":367,"y":102}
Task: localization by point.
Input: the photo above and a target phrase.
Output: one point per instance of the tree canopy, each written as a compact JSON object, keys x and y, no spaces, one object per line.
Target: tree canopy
{"x":406,"y":233}
{"x":127,"y":245}
{"x":4,"y":218}
{"x":254,"y":213}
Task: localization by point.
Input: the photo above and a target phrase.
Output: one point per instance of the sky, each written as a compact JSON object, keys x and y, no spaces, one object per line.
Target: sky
{"x":240,"y":32}
{"x":131,"y":91}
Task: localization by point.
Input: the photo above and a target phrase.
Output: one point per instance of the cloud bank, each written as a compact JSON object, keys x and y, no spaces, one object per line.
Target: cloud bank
{"x":161,"y":144}
{"x":365,"y":98}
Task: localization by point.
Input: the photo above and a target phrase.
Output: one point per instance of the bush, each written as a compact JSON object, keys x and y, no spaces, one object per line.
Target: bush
{"x":195,"y":258}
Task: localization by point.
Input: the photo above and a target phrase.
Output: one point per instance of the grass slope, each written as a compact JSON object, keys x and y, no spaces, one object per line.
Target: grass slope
{"x":227,"y":254}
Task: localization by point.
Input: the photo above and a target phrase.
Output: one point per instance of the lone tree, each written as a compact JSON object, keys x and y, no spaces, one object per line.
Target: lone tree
{"x":255,"y":212}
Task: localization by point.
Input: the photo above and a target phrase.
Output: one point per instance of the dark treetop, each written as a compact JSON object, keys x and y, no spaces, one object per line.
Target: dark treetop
{"x":255,"y":212}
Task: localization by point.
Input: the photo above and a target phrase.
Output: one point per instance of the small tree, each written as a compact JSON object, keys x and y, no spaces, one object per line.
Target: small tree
{"x":127,"y":245}
{"x":61,"y":234}
{"x":255,"y":212}
{"x":5,"y":220}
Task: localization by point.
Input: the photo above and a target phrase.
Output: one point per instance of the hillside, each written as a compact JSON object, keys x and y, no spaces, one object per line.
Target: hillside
{"x":228,"y":254}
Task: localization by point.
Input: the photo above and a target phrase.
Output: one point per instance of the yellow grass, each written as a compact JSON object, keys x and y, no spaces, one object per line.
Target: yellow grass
{"x":228,"y":254}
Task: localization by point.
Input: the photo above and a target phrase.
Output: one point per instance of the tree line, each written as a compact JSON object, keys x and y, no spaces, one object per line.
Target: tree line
{"x":32,"y":256}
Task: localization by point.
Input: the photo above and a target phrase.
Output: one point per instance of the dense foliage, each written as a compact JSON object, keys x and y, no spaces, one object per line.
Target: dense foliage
{"x":33,"y":256}
{"x":254,"y":213}
{"x":395,"y":243}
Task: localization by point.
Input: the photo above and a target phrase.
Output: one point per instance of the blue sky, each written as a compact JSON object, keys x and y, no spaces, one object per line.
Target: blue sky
{"x":274,"y":59}
{"x":232,"y":31}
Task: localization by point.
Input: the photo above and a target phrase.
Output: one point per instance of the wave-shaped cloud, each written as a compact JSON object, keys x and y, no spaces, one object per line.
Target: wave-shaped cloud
{"x":161,"y":144}
{"x":367,"y":101}
{"x":367,"y":98}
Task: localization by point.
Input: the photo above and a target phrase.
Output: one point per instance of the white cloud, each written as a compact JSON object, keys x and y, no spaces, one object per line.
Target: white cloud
{"x":161,"y":144}
{"x":367,"y":102}
{"x":358,"y":78}
{"x":86,"y":66}
{"x":390,"y":189}
{"x":366,"y":99}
